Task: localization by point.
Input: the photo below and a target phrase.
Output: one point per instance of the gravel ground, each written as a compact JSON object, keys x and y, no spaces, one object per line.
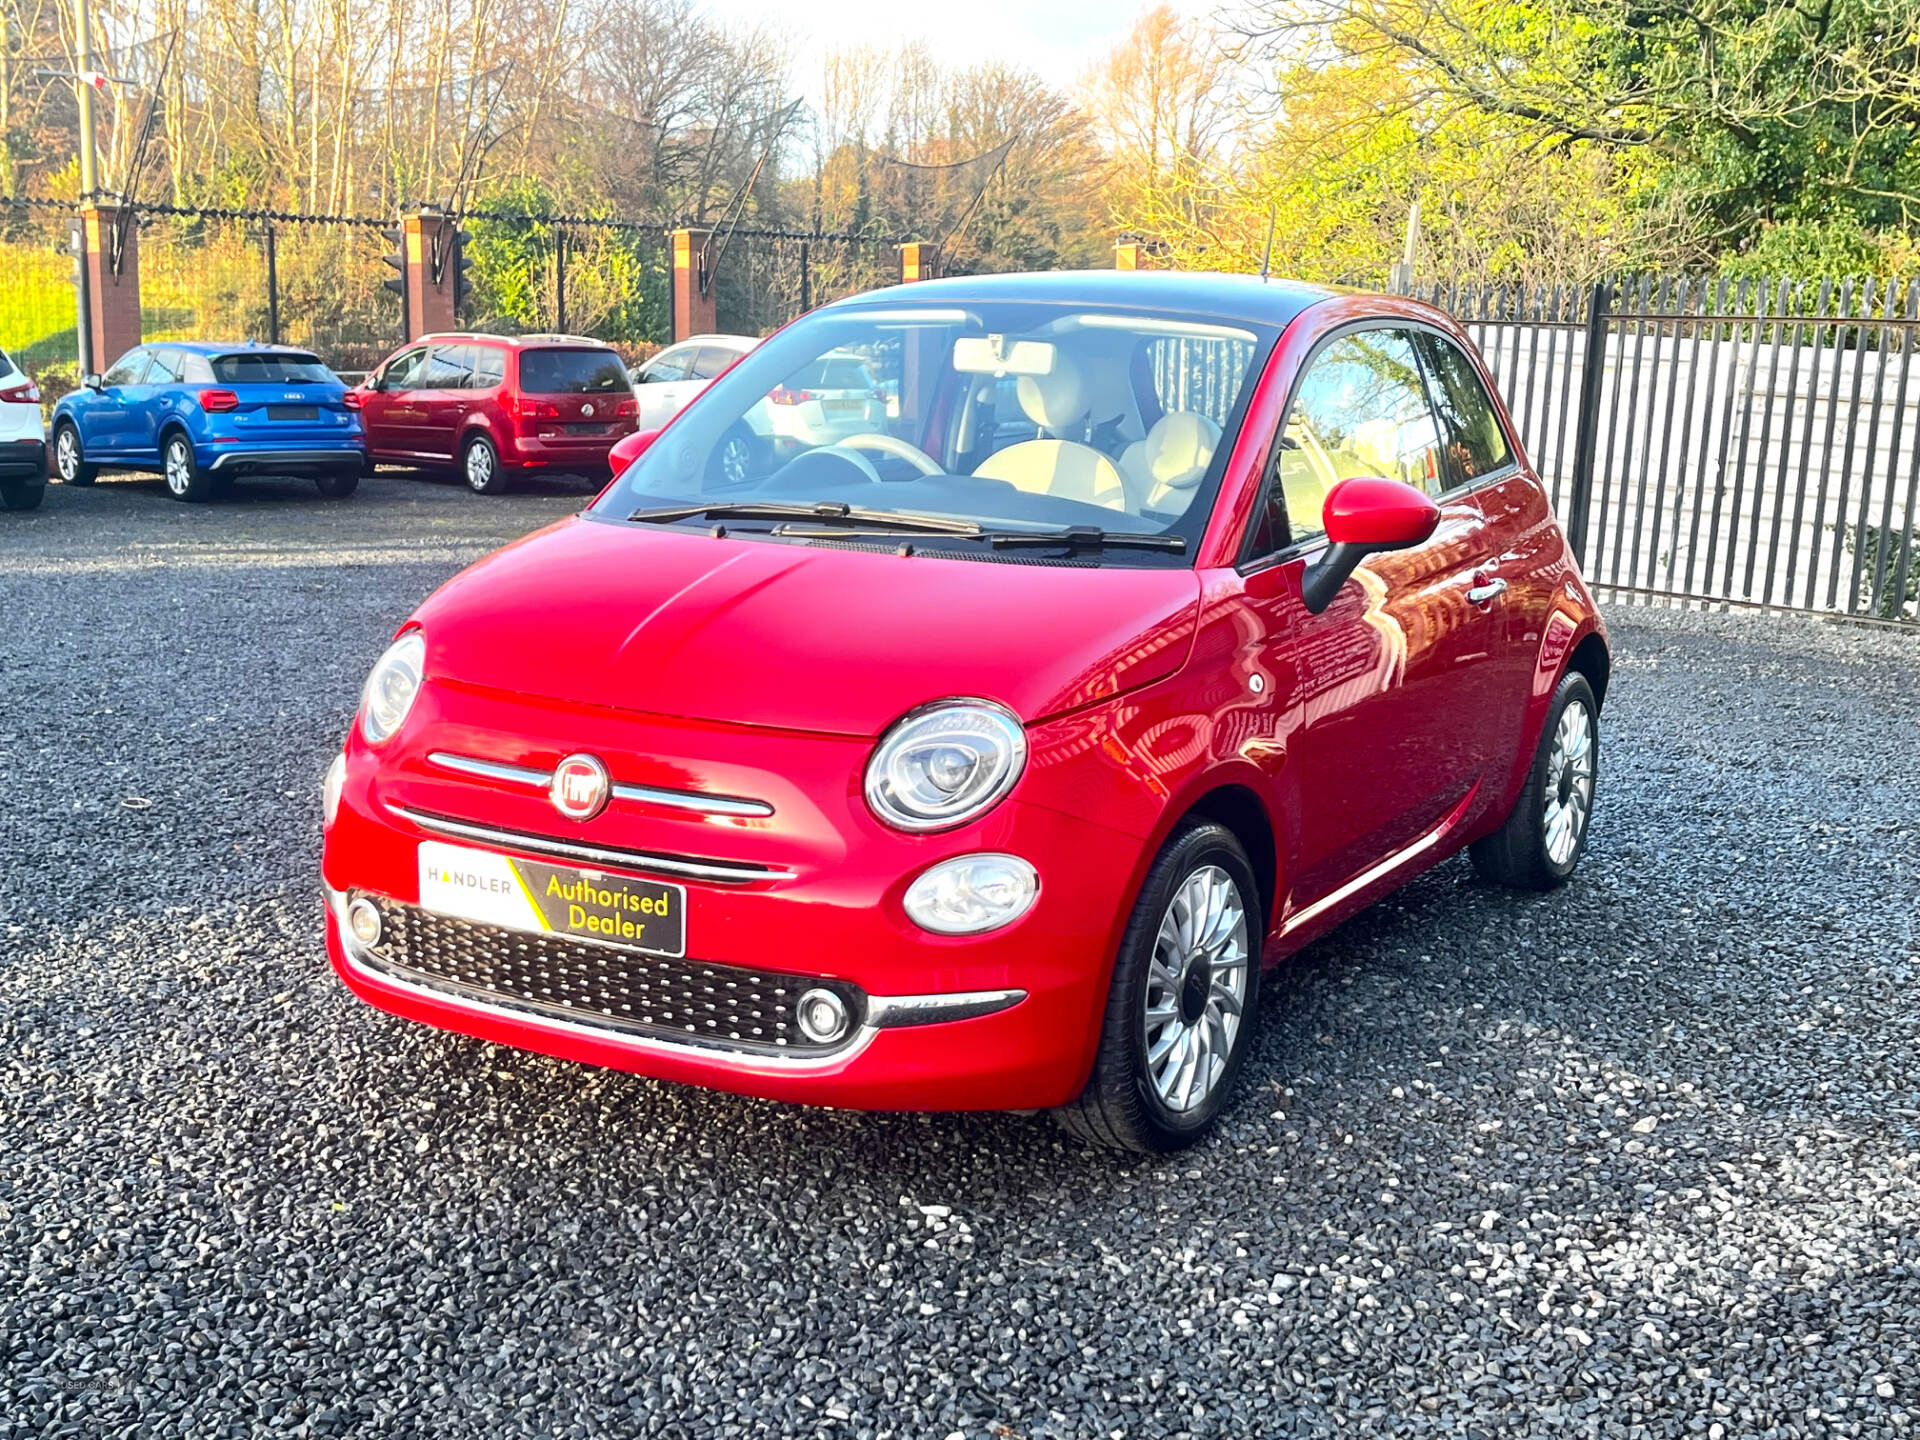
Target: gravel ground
{"x":1641,"y":1157}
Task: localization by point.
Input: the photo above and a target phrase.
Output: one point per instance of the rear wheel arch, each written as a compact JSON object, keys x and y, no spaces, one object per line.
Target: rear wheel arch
{"x":1591,"y":658}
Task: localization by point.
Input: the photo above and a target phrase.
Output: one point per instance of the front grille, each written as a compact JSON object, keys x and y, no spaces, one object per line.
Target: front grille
{"x":598,"y":986}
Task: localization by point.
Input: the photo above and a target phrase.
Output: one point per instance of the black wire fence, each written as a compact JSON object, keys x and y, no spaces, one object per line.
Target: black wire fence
{"x":1750,"y":441}
{"x":319,"y":281}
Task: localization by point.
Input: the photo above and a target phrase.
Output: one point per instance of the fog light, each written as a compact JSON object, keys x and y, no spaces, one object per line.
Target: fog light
{"x":971,"y":894}
{"x":823,"y":1017}
{"x":330,"y":789}
{"x":363,"y":919}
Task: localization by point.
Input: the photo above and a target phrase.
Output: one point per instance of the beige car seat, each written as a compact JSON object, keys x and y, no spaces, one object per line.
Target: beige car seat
{"x":1057,"y":401}
{"x":1162,"y":470}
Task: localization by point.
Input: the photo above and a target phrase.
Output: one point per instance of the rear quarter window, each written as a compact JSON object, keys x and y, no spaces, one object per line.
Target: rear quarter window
{"x":270,"y":369}
{"x":571,"y":372}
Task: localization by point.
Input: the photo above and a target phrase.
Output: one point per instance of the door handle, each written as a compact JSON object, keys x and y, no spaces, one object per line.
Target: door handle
{"x":1486,"y":591}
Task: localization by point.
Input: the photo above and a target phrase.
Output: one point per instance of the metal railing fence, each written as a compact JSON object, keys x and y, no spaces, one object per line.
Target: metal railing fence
{"x":1752,"y":442}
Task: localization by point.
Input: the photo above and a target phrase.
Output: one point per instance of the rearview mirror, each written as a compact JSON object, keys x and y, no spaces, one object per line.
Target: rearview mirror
{"x":1363,"y":516}
{"x":992,"y":355}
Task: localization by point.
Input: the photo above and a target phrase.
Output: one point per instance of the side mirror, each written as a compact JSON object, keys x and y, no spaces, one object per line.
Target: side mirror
{"x":1364,"y":515}
{"x":630,"y":448}
{"x":92,"y":382}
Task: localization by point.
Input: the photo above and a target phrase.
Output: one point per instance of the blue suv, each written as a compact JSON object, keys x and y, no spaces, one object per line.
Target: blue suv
{"x":202,"y":414}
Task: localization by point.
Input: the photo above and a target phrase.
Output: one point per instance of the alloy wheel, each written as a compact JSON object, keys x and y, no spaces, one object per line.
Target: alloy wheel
{"x":1196,"y":988}
{"x":1569,"y":783}
{"x":479,"y":466}
{"x":179,"y":466}
{"x":734,"y":459}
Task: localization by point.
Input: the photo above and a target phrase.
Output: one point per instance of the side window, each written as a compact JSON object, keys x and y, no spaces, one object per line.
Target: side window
{"x":165,"y":369}
{"x":1360,"y":409}
{"x":712,"y":360}
{"x":489,"y":367}
{"x":669,"y":365}
{"x":127,"y":370}
{"x":450,"y":367}
{"x":1476,"y":445}
{"x":405,"y":372}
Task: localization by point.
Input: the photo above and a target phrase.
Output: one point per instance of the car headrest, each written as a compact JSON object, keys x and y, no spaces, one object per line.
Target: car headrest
{"x":1179,"y":447}
{"x":1058,"y":400}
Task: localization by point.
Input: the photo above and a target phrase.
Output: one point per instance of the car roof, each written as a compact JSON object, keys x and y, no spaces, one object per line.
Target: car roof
{"x":520,"y":342}
{"x":731,"y":342}
{"x":1244,"y":297}
{"x":226,"y":347}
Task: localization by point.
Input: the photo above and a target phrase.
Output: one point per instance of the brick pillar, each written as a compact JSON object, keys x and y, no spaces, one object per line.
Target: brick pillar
{"x":1131,"y":255}
{"x":430,"y":308}
{"x":113,"y":299}
{"x":694,"y":309}
{"x":919,"y":261}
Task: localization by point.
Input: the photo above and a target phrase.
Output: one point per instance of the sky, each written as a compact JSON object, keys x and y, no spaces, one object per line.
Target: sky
{"x":1057,"y":38}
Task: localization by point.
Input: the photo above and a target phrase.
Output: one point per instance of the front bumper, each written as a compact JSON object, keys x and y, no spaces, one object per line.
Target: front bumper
{"x":23,"y":460}
{"x":816,"y":897}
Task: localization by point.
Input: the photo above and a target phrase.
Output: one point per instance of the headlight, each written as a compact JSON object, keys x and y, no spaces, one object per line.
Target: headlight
{"x":392,"y":686}
{"x":330,"y":789}
{"x":972,"y":893}
{"x":944,"y":764}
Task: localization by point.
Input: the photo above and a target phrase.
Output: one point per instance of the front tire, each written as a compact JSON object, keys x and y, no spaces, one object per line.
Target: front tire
{"x":22,"y":494}
{"x":1181,"y":1006}
{"x":480,"y":466}
{"x":1540,"y":845}
{"x":69,"y":460}
{"x":185,"y":477}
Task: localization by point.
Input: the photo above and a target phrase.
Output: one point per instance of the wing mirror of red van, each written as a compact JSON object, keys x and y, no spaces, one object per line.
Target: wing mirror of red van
{"x":630,"y":448}
{"x":1363,"y":516}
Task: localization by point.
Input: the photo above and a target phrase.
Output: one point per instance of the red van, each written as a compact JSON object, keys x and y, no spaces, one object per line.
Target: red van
{"x":495,"y":407}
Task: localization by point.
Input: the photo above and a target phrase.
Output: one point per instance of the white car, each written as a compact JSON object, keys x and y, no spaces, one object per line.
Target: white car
{"x":836,"y":397}
{"x":23,"y":439}
{"x":670,"y":379}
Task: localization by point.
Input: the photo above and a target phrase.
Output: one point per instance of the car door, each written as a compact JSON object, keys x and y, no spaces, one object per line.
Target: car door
{"x":663,"y":386}
{"x":147,"y":403}
{"x":446,"y":393}
{"x":1524,"y":560}
{"x":106,"y":418}
{"x":1381,"y":692}
{"x":392,"y":411}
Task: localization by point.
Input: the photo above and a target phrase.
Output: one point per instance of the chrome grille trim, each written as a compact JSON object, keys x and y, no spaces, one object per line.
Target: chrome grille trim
{"x":887,"y":1012}
{"x":720,"y":870}
{"x":697,"y":802}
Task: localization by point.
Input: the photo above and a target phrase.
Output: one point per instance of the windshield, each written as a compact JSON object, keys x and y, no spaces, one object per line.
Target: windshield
{"x":1017,"y":417}
{"x":271,"y":369}
{"x":571,"y":372}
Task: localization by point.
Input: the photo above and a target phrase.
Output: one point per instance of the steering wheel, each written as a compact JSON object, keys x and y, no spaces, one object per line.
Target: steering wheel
{"x":892,"y":445}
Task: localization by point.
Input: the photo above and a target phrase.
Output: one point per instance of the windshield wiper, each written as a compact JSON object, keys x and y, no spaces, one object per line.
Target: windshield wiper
{"x":826,"y":513}
{"x":1086,"y":537}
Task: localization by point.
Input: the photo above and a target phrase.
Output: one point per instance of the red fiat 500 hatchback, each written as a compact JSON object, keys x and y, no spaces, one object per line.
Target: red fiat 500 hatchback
{"x":982,"y":757}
